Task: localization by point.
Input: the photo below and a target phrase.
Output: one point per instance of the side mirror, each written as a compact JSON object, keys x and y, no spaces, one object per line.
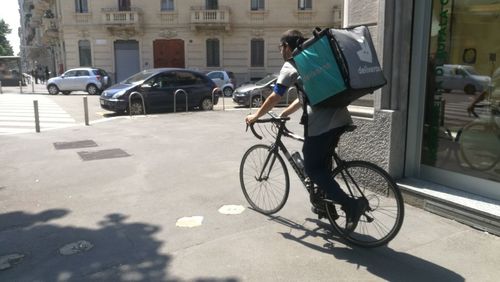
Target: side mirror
{"x":62,"y":75}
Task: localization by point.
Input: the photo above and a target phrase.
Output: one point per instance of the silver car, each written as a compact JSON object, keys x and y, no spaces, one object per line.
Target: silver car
{"x":91,"y":80}
{"x":254,"y":94}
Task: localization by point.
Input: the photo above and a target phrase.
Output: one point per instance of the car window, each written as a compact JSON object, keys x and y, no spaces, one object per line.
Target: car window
{"x":70,"y":73}
{"x":266,"y":80}
{"x":82,"y":73}
{"x":188,"y":78}
{"x":163,"y":80}
{"x":138,"y":78}
{"x":230,"y":74}
{"x":214,"y":75}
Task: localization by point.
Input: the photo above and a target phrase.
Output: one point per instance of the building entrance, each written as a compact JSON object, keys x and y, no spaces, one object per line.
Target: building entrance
{"x":169,"y":53}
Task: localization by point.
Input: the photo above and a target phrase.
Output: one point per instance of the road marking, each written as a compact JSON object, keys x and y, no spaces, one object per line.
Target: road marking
{"x":17,"y":114}
{"x":192,"y":221}
{"x":231,"y":209}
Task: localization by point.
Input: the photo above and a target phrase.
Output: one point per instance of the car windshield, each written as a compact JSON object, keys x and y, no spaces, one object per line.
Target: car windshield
{"x":138,"y":78}
{"x":266,"y":80}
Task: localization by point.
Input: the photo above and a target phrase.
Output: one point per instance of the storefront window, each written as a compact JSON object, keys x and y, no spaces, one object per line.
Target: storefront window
{"x":462,"y":113}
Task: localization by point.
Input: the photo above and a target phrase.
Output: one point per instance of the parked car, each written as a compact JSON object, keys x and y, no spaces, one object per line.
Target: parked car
{"x":225,"y":80}
{"x":91,"y":80}
{"x":254,"y":94}
{"x":158,"y":87}
{"x":462,"y":77}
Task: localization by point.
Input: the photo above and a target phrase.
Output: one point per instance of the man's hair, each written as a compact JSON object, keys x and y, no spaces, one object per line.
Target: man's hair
{"x":292,"y":38}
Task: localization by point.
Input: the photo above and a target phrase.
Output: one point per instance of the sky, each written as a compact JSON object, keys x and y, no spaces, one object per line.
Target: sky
{"x":10,"y":14}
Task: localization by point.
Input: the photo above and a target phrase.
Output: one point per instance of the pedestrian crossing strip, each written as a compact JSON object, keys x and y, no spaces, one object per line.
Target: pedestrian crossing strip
{"x":456,"y":115}
{"x":17,"y":114}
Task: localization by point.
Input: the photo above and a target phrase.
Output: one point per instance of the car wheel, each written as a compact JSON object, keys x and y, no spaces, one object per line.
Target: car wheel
{"x":206,"y":104}
{"x":257,"y":101}
{"x":92,"y":89}
{"x":136,"y":108}
{"x":53,"y":89}
{"x":228,"y":91}
{"x":66,"y":92}
{"x":469,"y":89}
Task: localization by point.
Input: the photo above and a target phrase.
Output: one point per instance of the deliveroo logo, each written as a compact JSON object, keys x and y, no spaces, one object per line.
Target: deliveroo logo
{"x":365,"y":54}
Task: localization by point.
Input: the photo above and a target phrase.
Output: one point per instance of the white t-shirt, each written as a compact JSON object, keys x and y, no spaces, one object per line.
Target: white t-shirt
{"x":320,"y":119}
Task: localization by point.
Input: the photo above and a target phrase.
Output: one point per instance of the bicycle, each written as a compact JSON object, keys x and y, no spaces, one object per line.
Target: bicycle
{"x":265,"y":183}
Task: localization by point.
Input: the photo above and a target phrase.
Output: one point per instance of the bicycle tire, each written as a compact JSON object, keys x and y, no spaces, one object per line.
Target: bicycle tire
{"x":266,"y":196}
{"x":385,"y":202}
{"x":479,"y":146}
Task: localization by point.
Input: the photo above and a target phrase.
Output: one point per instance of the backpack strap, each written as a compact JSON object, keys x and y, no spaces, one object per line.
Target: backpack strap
{"x":305,"y":101}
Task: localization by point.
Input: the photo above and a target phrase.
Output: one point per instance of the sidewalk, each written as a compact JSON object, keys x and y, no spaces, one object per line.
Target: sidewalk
{"x":66,"y":219}
{"x":28,"y":89}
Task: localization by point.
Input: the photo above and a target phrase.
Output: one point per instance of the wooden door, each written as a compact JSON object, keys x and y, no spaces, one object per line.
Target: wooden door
{"x":169,"y":53}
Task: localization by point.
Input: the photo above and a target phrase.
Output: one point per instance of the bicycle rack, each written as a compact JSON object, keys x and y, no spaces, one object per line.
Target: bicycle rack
{"x":175,"y":99}
{"x":213,"y":98}
{"x":135,"y":93}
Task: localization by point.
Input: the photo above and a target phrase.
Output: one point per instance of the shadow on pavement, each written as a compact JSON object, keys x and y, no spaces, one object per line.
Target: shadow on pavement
{"x":32,"y":248}
{"x":383,"y":262}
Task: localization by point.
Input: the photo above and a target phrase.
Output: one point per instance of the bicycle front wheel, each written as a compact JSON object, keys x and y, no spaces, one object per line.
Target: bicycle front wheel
{"x":384,"y":217}
{"x":264,"y":179}
{"x":479,"y":146}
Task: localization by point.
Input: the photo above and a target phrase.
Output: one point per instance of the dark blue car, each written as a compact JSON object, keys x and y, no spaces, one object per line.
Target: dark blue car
{"x":158,"y":88}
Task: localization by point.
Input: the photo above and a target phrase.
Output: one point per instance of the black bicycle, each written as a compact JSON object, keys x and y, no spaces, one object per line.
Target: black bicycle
{"x":265,"y":183}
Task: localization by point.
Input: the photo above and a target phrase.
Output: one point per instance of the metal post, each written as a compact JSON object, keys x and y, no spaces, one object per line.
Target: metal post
{"x":20,"y":86}
{"x":175,"y":99}
{"x":86,"y":110}
{"x":223,"y":100}
{"x":37,"y":119}
{"x":32,"y":86}
{"x":1,"y":91}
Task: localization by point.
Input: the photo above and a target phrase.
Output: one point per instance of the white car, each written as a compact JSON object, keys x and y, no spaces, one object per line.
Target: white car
{"x":462,"y":77}
{"x":225,"y":81}
{"x":91,"y":80}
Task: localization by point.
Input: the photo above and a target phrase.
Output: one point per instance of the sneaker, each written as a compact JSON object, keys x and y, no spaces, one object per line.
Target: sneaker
{"x":353,"y":213}
{"x":321,"y":212}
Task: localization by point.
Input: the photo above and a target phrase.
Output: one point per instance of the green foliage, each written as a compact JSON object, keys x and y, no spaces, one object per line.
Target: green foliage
{"x":5,"y":47}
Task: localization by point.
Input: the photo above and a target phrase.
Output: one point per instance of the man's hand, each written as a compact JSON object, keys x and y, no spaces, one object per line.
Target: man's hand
{"x":251,"y":118}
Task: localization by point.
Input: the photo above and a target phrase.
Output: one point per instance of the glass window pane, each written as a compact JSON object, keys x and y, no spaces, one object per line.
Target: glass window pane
{"x":462,"y":114}
{"x":81,"y":6}
{"x":84,"y":53}
{"x":213,"y":53}
{"x":257,"y":53}
{"x":167,"y":5}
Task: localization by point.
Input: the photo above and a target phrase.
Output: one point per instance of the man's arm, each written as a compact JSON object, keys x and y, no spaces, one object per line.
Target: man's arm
{"x":271,"y":101}
{"x":292,"y":108}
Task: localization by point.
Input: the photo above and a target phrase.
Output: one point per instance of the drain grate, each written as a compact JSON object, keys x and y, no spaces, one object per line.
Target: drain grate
{"x":103,"y":154}
{"x":74,"y":144}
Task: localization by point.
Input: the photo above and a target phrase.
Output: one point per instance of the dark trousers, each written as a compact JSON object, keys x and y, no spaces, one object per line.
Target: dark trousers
{"x":318,"y":151}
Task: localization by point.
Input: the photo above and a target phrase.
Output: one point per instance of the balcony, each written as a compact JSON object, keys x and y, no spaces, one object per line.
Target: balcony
{"x":111,"y":16}
{"x":123,"y":24}
{"x":202,"y":19}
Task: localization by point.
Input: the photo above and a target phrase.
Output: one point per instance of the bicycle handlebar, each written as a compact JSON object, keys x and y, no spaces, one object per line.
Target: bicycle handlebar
{"x":274,"y":118}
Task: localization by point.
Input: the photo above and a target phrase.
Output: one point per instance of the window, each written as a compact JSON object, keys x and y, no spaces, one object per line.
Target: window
{"x":213,"y":53}
{"x":82,"y":73}
{"x":305,"y":5}
{"x":167,"y":5}
{"x":257,"y":5}
{"x":257,"y":53}
{"x":124,"y":5}
{"x":211,"y":5}
{"x":187,"y":78}
{"x":70,"y":73}
{"x":81,"y":6}
{"x":84,"y":52}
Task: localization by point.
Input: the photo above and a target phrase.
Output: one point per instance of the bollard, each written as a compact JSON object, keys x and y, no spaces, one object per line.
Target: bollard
{"x":37,"y":120}
{"x":86,"y":110}
{"x":20,"y":86}
{"x":1,"y":91}
{"x":32,"y":86}
{"x":223,"y":101}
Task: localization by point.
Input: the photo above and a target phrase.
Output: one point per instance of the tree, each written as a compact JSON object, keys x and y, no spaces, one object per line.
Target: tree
{"x":5,"y":47}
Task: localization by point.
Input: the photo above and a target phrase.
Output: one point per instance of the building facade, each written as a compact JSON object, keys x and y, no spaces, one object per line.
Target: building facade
{"x":126,"y":36}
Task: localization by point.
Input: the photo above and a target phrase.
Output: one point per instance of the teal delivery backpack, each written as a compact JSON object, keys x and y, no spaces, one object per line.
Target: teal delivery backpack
{"x":338,"y":66}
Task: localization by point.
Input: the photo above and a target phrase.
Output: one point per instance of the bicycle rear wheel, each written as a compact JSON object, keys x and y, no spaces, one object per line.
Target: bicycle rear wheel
{"x":264,"y":179}
{"x":479,"y":146}
{"x":384,"y":217}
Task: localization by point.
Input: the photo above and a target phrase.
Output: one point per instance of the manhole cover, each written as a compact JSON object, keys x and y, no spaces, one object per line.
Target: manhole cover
{"x":231,"y":209}
{"x":103,"y":154}
{"x":75,"y":248}
{"x":191,"y":221}
{"x":74,"y":145}
{"x":9,"y":261}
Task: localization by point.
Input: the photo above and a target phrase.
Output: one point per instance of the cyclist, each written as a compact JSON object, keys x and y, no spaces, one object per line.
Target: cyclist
{"x":321,"y":127}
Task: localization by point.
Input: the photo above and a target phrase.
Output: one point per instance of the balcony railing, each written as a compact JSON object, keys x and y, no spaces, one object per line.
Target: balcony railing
{"x":202,"y":18}
{"x":83,"y":18}
{"x":112,"y":16}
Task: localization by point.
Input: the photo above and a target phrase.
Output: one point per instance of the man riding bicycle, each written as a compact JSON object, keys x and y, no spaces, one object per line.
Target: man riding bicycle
{"x":321,"y":128}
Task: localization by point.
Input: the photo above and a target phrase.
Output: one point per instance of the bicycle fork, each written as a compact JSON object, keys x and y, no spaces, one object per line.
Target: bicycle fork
{"x":271,"y":158}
